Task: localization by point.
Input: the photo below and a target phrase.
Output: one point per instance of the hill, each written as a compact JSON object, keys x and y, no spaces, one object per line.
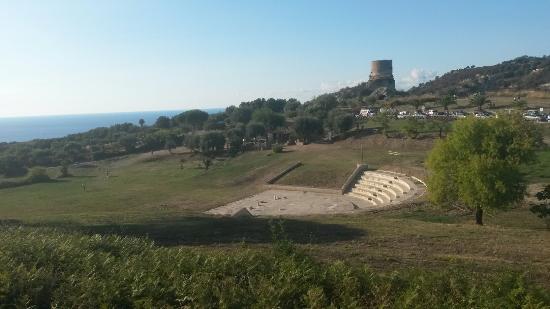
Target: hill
{"x":520,"y":74}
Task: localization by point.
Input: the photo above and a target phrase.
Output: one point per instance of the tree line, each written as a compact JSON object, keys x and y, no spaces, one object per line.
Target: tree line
{"x":261,"y":122}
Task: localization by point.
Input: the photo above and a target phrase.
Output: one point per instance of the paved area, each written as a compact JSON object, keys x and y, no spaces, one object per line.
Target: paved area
{"x":293,"y":203}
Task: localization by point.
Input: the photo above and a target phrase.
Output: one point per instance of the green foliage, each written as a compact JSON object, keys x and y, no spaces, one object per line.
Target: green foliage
{"x":163,"y":122}
{"x":212,"y":142}
{"x":268,"y":118}
{"x":477,"y":165}
{"x":37,"y":175}
{"x":479,"y":99}
{"x":413,"y":127}
{"x":292,"y":108}
{"x":441,"y":125}
{"x":11,"y":166}
{"x":542,"y":210}
{"x":255,"y":129}
{"x":45,"y":268}
{"x":128,"y":142}
{"x":321,"y":106}
{"x":64,"y":171}
{"x":516,"y":73}
{"x":339,"y":121}
{"x":448,"y":100}
{"x":308,"y":128}
{"x":195,"y":118}
{"x":383,"y":119}
{"x":277,"y":148}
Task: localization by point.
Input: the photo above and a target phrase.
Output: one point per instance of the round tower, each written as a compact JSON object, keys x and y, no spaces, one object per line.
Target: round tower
{"x":381,"y":69}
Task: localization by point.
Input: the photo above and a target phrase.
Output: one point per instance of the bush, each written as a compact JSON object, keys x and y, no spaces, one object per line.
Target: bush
{"x":45,"y":268}
{"x":37,"y":175}
{"x":277,"y":148}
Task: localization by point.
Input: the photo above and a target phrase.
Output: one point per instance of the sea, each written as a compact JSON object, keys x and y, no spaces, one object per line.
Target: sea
{"x":21,"y":129}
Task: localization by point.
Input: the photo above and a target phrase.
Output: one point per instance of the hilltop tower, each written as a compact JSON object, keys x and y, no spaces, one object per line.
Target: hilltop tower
{"x":381,"y":75}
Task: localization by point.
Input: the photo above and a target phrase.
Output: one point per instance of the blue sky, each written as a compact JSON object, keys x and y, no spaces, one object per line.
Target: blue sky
{"x":72,"y":57}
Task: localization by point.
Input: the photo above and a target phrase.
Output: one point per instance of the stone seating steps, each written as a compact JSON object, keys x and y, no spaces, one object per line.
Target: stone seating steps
{"x":396,"y":177}
{"x":398,"y":188}
{"x":405,"y":184}
{"x":379,"y":188}
{"x":379,"y":196}
{"x":383,"y":191}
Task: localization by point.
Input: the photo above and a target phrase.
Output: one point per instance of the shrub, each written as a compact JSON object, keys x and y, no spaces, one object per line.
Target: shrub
{"x":45,"y":268}
{"x":277,"y":148}
{"x":37,"y":175}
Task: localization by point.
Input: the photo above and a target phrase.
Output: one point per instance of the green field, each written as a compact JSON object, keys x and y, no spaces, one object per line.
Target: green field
{"x":158,"y":198}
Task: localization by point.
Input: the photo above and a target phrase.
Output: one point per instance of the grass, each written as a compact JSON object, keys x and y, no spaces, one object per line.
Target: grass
{"x":46,"y":268}
{"x":153,"y":198}
{"x":540,"y":170}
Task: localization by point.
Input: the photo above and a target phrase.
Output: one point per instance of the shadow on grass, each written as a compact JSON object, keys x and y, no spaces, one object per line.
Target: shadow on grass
{"x":434,"y":216}
{"x":204,"y":230}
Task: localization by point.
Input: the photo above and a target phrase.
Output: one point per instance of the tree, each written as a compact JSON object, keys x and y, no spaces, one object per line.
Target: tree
{"x":170,"y":143}
{"x":308,"y":128}
{"x":212,"y":142}
{"x":215,"y":122}
{"x":339,"y":121}
{"x":542,"y":210}
{"x":73,"y":151}
{"x":442,"y":125}
{"x":269,"y":119}
{"x":195,"y":118}
{"x":344,"y":122}
{"x":154,"y":142}
{"x":241,"y":115}
{"x":128,"y":142}
{"x":141,"y":122}
{"x":383,"y":119}
{"x":446,"y":101}
{"x":477,"y":165}
{"x":478,"y":99}
{"x":235,"y":140}
{"x":255,"y":129}
{"x":11,"y":166}
{"x":276,"y":105}
{"x":412,"y":127}
{"x":193,"y":142}
{"x":162,"y":122}
{"x":321,"y":105}
{"x":416,"y":103}
{"x":292,"y":108}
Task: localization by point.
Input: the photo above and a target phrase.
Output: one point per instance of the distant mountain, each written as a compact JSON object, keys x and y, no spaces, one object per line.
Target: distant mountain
{"x":520,"y":74}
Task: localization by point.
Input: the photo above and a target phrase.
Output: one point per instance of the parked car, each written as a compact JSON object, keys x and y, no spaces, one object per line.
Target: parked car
{"x":533,"y":115}
{"x":483,"y":114}
{"x":403,"y":115}
{"x":459,"y":114}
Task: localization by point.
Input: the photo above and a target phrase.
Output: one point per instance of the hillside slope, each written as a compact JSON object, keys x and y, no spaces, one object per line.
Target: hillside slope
{"x":522,"y":73}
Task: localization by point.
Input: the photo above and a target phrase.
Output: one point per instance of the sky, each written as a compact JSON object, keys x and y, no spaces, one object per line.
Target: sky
{"x":77,"y":56}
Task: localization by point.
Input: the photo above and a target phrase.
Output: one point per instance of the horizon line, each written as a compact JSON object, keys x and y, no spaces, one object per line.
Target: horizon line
{"x":107,"y":113}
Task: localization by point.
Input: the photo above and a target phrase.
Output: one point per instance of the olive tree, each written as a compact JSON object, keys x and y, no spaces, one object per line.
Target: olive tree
{"x":308,"y":128}
{"x":477,"y":165}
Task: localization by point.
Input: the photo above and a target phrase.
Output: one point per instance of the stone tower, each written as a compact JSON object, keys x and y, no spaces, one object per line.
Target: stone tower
{"x":381,"y":75}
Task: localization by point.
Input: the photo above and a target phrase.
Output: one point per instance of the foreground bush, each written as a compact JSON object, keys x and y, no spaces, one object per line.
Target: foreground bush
{"x":46,"y":268}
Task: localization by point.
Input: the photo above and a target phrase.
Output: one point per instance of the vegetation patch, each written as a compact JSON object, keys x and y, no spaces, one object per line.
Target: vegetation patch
{"x":47,"y":268}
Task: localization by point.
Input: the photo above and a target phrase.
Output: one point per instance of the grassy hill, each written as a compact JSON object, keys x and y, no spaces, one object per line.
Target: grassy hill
{"x":131,"y":232}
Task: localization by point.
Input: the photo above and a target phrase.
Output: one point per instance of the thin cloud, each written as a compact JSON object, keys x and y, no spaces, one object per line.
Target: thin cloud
{"x":416,"y":77}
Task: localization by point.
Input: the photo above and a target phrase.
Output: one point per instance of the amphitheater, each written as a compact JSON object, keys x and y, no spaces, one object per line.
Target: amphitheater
{"x":365,"y":191}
